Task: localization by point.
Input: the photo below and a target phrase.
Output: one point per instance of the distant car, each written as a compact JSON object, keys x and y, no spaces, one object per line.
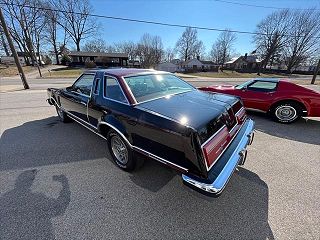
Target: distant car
{"x":283,"y":100}
{"x":202,"y":135}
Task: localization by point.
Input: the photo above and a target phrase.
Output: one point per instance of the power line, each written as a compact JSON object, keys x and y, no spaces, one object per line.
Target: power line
{"x":150,"y":22}
{"x":268,"y":7}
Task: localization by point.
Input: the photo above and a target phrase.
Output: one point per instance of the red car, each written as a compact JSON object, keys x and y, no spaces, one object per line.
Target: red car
{"x":285,"y":101}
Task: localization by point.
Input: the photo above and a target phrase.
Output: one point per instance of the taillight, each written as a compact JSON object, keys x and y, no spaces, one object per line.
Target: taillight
{"x":213,"y":148}
{"x":241,"y":115}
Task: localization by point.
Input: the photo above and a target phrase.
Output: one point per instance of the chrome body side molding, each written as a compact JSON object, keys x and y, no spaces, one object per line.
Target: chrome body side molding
{"x":140,"y":150}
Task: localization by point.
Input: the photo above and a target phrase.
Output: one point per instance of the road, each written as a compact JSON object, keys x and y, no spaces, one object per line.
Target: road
{"x":58,"y":182}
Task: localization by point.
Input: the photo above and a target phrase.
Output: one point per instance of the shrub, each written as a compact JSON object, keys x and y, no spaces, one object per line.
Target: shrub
{"x":90,"y":64}
{"x":65,"y":59}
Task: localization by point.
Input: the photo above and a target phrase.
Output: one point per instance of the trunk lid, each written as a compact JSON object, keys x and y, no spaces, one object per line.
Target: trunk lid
{"x":204,"y":111}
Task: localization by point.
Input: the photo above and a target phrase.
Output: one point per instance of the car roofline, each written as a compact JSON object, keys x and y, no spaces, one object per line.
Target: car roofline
{"x":267,"y":79}
{"x":146,"y":73}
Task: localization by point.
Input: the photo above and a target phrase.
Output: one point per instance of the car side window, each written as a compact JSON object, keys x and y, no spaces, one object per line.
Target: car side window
{"x":96,"y":86}
{"x":84,"y":84}
{"x":113,"y":91}
{"x":263,"y":86}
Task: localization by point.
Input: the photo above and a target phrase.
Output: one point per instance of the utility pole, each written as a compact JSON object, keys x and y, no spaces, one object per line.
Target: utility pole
{"x":315,"y":73}
{"x":14,"y":53}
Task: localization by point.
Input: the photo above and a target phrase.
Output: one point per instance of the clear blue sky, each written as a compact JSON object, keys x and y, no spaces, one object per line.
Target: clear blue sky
{"x":205,"y":13}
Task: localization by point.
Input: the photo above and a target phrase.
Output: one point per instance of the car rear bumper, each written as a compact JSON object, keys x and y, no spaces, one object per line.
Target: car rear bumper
{"x":220,"y":174}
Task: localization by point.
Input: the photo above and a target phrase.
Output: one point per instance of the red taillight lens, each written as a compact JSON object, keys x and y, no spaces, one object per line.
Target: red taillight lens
{"x":213,"y":148}
{"x":241,"y":115}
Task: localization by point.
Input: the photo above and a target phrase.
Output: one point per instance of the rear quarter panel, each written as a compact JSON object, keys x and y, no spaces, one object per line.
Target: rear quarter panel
{"x":309,"y":98}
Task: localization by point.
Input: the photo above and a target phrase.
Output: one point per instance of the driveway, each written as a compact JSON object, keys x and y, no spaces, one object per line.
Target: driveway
{"x":58,"y":181}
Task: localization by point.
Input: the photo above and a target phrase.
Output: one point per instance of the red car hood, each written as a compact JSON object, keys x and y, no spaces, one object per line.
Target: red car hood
{"x":223,"y":87}
{"x":219,"y":88}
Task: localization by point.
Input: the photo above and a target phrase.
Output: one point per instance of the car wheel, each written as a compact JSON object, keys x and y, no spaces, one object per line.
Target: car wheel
{"x":120,"y":151}
{"x":287,"y":112}
{"x":62,"y":115}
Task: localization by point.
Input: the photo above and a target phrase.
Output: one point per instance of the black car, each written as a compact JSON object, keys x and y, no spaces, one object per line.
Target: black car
{"x":202,"y":135}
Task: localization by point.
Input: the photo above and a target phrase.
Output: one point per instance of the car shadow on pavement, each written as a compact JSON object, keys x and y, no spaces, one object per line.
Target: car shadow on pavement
{"x":46,"y":142}
{"x":27,"y":215}
{"x":146,"y":176}
{"x":304,"y":130}
{"x":241,"y":212}
{"x":170,"y":209}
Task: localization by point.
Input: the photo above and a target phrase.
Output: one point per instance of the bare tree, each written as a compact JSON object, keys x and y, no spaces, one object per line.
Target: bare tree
{"x":272,"y":35}
{"x":188,"y":45}
{"x":23,"y":24}
{"x":150,"y":50}
{"x":54,"y":34}
{"x":3,"y":43}
{"x":76,"y":20}
{"x":111,"y":49}
{"x":169,"y":54}
{"x":128,"y":47}
{"x":200,"y":50}
{"x":215,"y":53}
{"x":95,"y":45}
{"x":222,"y":48}
{"x":303,"y":40}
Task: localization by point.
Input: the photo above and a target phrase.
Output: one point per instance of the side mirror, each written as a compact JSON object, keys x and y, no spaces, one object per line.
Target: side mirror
{"x":69,"y":89}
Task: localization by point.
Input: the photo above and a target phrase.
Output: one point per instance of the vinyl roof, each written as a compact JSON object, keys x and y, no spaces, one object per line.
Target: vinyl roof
{"x":122,"y":72}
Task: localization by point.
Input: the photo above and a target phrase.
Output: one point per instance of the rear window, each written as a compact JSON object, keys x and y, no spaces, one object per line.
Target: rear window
{"x":148,"y":87}
{"x":263,"y":86}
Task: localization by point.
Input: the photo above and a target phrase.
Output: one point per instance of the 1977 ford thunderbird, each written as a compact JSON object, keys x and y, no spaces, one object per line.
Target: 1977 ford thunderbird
{"x":202,"y":135}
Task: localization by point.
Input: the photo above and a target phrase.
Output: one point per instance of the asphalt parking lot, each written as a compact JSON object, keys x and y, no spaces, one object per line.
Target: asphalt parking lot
{"x":57,"y":182}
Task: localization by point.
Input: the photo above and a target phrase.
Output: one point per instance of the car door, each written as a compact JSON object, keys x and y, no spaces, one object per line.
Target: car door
{"x":107,"y":94}
{"x":75,"y":98}
{"x":259,"y":94}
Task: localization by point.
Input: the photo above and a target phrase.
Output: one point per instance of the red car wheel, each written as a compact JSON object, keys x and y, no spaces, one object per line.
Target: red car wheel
{"x":287,"y":112}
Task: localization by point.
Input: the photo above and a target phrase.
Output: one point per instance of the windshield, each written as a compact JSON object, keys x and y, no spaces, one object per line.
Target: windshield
{"x":243,"y":85}
{"x":148,"y":87}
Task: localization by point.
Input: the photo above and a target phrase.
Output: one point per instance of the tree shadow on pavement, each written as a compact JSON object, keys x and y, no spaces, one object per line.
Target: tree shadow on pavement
{"x":27,"y":215}
{"x":48,"y":141}
{"x":304,"y":130}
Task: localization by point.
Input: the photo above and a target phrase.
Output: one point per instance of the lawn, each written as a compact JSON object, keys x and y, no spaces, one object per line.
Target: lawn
{"x":13,"y":70}
{"x":64,"y":73}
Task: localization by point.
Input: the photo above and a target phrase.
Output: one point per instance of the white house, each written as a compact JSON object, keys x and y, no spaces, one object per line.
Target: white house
{"x":10,"y":60}
{"x":199,"y":65}
{"x":176,"y":61}
{"x":247,"y":62}
{"x":168,"y":67}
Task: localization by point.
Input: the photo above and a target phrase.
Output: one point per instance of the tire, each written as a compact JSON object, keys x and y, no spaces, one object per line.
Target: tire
{"x":286,"y":112}
{"x":120,"y":151}
{"x":62,"y":115}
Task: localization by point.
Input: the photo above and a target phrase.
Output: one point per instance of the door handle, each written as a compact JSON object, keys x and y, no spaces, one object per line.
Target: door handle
{"x":106,"y":112}
{"x":83,"y":103}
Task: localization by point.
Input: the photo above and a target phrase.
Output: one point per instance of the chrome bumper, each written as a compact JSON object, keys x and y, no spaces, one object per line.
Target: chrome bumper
{"x":237,"y":158}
